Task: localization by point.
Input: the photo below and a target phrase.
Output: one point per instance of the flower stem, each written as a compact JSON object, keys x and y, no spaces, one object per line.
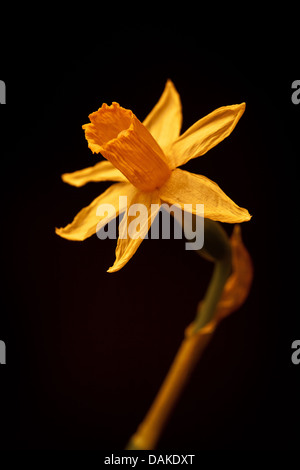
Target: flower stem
{"x":187,"y":356}
{"x":197,"y":336}
{"x":218,"y":249}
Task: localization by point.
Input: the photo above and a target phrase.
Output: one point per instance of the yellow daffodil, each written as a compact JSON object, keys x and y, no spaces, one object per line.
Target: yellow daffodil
{"x":143,"y":160}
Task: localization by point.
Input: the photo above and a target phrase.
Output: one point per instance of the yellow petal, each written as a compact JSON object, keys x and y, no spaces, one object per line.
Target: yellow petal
{"x":165,"y":119}
{"x":122,"y":139}
{"x":238,"y":285}
{"x":87,"y":221}
{"x":205,"y":134}
{"x":102,"y":171}
{"x":127,"y":245}
{"x":187,"y":188}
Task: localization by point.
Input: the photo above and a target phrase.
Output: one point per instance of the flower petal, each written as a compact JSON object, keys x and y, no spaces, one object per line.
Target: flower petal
{"x":102,"y":171}
{"x":127,"y":244}
{"x":87,"y":221}
{"x":165,"y":119}
{"x":205,"y":134}
{"x":187,"y":188}
{"x":238,"y":285}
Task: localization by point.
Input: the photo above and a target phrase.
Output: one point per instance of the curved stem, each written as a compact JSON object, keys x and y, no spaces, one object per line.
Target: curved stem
{"x":149,"y":431}
{"x":207,"y":308}
{"x":216,"y":248}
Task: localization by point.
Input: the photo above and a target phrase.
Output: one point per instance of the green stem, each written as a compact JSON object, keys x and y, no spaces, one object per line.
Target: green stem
{"x":216,"y":248}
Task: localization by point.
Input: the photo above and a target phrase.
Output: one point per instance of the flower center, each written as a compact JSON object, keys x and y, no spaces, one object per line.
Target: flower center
{"x":121,"y":138}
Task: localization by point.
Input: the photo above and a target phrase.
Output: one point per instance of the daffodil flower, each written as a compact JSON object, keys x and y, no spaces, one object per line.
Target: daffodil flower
{"x":143,"y":160}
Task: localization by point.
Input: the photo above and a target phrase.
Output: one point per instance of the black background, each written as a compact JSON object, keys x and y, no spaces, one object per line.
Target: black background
{"x":87,"y":350}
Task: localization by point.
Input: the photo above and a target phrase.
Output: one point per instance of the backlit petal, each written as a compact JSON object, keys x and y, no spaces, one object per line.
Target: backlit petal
{"x":122,"y":139}
{"x":86,"y":221}
{"x":187,"y":188}
{"x":165,"y":119}
{"x":102,"y":171}
{"x":127,"y":246}
{"x":205,"y":134}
